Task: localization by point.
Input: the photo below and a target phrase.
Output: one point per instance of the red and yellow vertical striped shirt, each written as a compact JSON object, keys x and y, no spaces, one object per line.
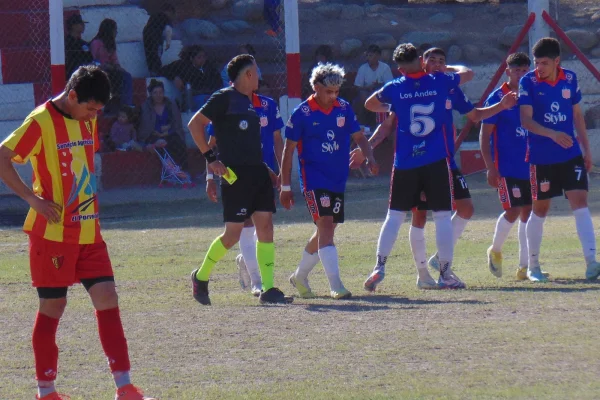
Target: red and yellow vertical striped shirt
{"x":61,"y":151}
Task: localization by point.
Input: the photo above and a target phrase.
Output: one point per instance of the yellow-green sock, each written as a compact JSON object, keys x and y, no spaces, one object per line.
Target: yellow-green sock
{"x":265,"y":255}
{"x":215,"y":252}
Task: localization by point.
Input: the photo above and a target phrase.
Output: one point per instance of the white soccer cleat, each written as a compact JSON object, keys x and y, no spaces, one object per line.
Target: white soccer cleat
{"x":427,"y":283}
{"x":302,"y":286}
{"x":593,"y":271}
{"x":244,"y":276}
{"x":534,"y":274}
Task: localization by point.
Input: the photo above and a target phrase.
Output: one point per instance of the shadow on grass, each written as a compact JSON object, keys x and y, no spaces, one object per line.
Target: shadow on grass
{"x":381,"y":302}
{"x":554,"y":285}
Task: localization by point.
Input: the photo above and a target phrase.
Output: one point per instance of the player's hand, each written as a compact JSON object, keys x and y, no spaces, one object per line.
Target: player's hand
{"x":587,"y":161}
{"x":211,"y":190}
{"x":286,"y":199}
{"x":218,"y":168}
{"x":373,"y":166}
{"x":562,"y":139}
{"x":356,"y":158}
{"x":509,"y":100}
{"x":46,"y":208}
{"x":493,"y":177}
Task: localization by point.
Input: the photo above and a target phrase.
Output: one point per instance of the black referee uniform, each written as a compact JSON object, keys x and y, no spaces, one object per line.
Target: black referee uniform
{"x":237,"y":131}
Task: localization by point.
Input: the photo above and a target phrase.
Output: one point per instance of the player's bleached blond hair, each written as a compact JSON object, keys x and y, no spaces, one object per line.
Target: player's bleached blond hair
{"x":327,"y":74}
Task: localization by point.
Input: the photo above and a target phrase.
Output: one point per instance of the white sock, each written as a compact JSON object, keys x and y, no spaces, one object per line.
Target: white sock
{"x":307,"y":263}
{"x":458,"y":226}
{"x":535,"y":229}
{"x":503,"y":227}
{"x":248,"y":248}
{"x":329,"y":259}
{"x":585,"y":231}
{"x":444,"y":229}
{"x":388,"y":236}
{"x":417,"y":246}
{"x":45,"y":388}
{"x":523,"y":252}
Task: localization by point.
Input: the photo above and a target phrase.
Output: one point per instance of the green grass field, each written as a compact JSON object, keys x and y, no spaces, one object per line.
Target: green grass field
{"x":500,"y":339}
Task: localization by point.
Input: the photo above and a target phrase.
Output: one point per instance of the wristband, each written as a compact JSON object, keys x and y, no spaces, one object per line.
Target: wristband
{"x":286,"y":188}
{"x":210,"y":156}
{"x":209,"y":177}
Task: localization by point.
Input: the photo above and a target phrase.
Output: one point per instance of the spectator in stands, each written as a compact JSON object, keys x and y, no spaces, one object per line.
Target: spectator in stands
{"x":122,"y":133}
{"x":104,"y":51}
{"x":323,"y":55}
{"x":161,"y":125}
{"x":158,"y":31}
{"x":271,"y":14}
{"x":77,"y":50}
{"x":193,"y":68}
{"x":371,"y":76}
{"x":243,"y":49}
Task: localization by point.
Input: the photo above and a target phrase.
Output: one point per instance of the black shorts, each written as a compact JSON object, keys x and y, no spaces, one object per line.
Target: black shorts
{"x":552,"y":180}
{"x":514,"y":192}
{"x":459,"y":186}
{"x":434,"y":181}
{"x":251,"y":192}
{"x":325,"y":203}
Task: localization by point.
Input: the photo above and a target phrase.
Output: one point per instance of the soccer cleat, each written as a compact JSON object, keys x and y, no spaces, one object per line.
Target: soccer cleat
{"x":534,"y":274}
{"x":434,"y":262}
{"x":448,"y":279}
{"x":522,"y":273}
{"x":256,"y":290}
{"x":373,"y":280}
{"x":495,"y":262}
{"x":130,"y":392}
{"x":200,"y":289}
{"x":53,"y":396}
{"x":302,"y":287}
{"x":341,"y":294}
{"x":593,"y":271}
{"x":244,"y":276}
{"x":274,"y":296}
{"x":427,"y":283}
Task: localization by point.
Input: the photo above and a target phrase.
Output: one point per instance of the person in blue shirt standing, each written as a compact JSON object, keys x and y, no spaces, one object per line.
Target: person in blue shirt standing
{"x":321,"y":128}
{"x":272,"y":149}
{"x":549,"y":100}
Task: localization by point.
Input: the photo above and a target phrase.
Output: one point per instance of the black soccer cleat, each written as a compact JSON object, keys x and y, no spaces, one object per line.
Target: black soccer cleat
{"x":200,"y":289}
{"x":274,"y":296}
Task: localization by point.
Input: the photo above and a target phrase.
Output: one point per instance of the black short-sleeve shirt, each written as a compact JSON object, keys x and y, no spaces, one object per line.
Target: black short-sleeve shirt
{"x":236,"y":126}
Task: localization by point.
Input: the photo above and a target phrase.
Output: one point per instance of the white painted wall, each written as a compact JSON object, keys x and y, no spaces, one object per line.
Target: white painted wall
{"x":130,"y":22}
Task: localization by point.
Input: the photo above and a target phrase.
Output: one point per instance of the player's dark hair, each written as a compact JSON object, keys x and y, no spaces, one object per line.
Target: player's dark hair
{"x":374,"y":49}
{"x":189,"y":52}
{"x":90,"y":83}
{"x":127,"y":110}
{"x":154,"y":83}
{"x":237,"y":65}
{"x":546,"y":47}
{"x":434,"y":50}
{"x":405,"y":54}
{"x":106,"y":34}
{"x":518,"y":60}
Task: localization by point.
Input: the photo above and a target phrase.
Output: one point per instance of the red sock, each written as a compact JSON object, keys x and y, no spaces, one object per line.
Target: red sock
{"x":113,"y":339}
{"x":45,"y":350}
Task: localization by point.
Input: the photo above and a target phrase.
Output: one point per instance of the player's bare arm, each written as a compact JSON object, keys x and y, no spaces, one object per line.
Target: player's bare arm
{"x":466,"y":74}
{"x":286,"y":196}
{"x":197,"y":126}
{"x":486,"y":152}
{"x":362,"y":142}
{"x":582,"y":137}
{"x":373,"y":104}
{"x":528,"y":123}
{"x":211,"y":185}
{"x":479,"y":114}
{"x":50,"y":210}
{"x":382,"y":131}
{"x":278,"y":147}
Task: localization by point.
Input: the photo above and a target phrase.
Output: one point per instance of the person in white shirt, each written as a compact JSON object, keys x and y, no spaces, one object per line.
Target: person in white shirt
{"x":371,"y":76}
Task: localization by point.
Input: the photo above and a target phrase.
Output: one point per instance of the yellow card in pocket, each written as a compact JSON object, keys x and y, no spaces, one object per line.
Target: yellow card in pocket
{"x":230,"y":177}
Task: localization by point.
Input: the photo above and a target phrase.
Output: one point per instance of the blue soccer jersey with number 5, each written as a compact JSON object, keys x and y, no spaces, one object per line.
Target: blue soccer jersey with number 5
{"x":421,"y":102}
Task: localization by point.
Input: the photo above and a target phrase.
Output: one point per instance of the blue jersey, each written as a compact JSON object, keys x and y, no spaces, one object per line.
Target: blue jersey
{"x":509,"y":138}
{"x":552,"y":104}
{"x":323,"y":143}
{"x":270,"y":121}
{"x":461,"y":103}
{"x":421,"y":103}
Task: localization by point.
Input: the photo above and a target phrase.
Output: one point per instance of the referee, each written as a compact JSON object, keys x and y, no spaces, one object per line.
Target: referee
{"x":237,"y":130}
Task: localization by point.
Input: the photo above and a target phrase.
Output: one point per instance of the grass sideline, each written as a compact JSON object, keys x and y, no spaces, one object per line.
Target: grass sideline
{"x":500,"y":339}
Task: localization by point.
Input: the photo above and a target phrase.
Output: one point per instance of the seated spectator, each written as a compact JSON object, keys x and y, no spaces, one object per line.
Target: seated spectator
{"x":323,"y":54}
{"x":195,"y":69}
{"x":158,"y":30}
{"x":370,"y":76}
{"x":104,"y":51}
{"x":160,"y":124}
{"x":243,"y":49}
{"x":122,"y":133}
{"x":77,"y":50}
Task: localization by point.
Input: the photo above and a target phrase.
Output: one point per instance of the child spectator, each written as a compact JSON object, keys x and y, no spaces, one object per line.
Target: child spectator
{"x":122,"y":133}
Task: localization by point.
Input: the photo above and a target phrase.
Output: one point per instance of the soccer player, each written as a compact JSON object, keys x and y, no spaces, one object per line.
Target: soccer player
{"x":60,"y":138}
{"x":322,"y":128}
{"x":549,"y":100}
{"x":249,"y":191}
{"x":272,"y":149}
{"x":503,"y":143}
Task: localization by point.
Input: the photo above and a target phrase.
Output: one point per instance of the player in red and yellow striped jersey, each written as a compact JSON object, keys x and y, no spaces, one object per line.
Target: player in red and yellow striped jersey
{"x":59,"y":139}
